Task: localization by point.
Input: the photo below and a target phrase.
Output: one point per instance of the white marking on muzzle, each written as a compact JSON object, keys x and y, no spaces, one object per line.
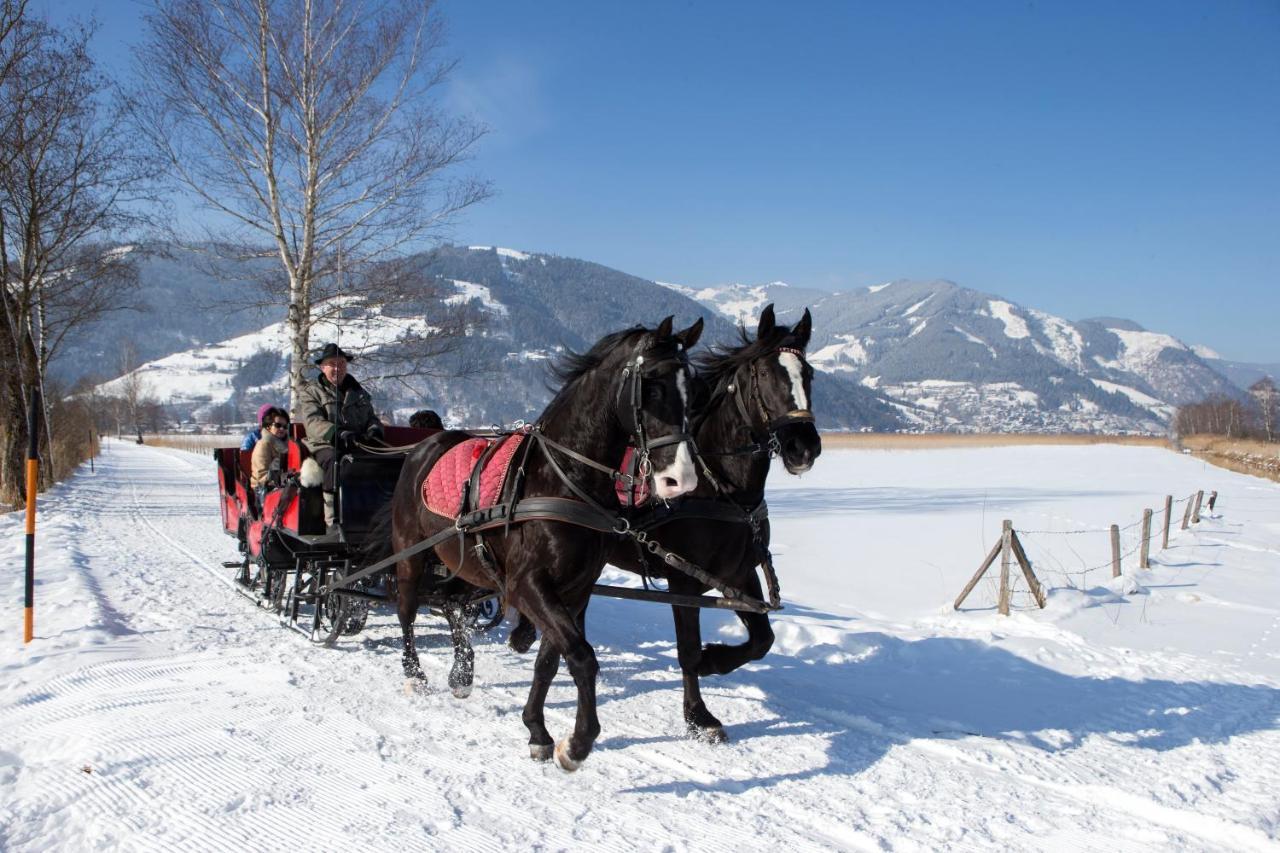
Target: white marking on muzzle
{"x":677,"y":478}
{"x":791,"y":363}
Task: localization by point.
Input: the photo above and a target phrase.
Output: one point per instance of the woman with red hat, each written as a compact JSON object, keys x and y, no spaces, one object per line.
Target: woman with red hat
{"x":253,"y":436}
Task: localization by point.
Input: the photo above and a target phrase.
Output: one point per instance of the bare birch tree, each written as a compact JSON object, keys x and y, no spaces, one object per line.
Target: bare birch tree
{"x":311,"y":130}
{"x":1267,"y":397}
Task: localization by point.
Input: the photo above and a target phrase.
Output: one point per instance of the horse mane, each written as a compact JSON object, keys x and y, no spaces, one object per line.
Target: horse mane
{"x":574,"y":365}
{"x":718,"y":362}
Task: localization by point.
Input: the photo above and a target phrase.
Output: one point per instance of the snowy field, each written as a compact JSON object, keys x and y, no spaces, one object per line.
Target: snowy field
{"x":159,"y":710}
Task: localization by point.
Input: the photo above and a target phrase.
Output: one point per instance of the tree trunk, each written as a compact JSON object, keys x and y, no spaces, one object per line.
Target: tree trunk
{"x":299,"y":325}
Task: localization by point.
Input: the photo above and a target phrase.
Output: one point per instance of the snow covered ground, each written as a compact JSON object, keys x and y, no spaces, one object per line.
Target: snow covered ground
{"x":158,"y":710}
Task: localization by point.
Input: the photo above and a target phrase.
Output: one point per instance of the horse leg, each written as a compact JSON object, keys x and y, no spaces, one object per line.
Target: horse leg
{"x":700,"y":722}
{"x":522,"y":635}
{"x":718,"y":658}
{"x":564,"y":631}
{"x":407,"y":610}
{"x":583,"y":666}
{"x":464,"y":657}
{"x":545,"y":666}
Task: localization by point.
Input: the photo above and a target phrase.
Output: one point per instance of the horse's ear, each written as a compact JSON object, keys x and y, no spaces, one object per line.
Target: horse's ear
{"x":767,"y":322}
{"x":803,"y":330}
{"x":690,"y":336}
{"x":664,"y":328}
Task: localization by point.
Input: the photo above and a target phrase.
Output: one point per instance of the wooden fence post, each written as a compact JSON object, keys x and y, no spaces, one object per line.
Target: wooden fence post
{"x":1021,"y":554}
{"x":1115,"y":550}
{"x":977,"y":576}
{"x":1186,"y":513}
{"x":1006,"y":553}
{"x":1195,"y":513}
{"x":1144,"y":560}
{"x":1168,"y":511}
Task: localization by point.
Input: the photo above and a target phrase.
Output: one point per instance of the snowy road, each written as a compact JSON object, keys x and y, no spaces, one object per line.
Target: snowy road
{"x":159,"y":710}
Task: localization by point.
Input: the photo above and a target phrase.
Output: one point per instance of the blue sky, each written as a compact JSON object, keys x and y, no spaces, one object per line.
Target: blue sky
{"x":1082,"y":158}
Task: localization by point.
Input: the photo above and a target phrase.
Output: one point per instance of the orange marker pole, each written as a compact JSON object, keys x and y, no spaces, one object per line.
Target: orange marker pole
{"x":33,"y":472}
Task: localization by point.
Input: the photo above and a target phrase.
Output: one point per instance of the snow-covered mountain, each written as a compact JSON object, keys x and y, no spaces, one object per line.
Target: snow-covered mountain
{"x":530,"y":307}
{"x":915,"y":354}
{"x":961,"y":359}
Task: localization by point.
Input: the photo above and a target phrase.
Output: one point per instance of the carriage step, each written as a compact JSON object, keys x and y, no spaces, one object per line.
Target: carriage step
{"x":232,"y":565}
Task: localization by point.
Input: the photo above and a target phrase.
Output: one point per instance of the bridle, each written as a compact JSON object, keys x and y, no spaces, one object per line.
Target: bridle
{"x":629,"y":404}
{"x":762,"y":425}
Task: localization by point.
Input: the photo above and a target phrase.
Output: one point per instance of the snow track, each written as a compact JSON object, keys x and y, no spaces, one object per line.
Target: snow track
{"x":160,"y":710}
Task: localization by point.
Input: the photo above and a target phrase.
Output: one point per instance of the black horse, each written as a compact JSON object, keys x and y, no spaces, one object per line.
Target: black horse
{"x":756,"y":406}
{"x":630,"y":389}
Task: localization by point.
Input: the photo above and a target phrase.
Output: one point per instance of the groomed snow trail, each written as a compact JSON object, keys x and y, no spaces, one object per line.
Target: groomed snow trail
{"x":160,"y":710}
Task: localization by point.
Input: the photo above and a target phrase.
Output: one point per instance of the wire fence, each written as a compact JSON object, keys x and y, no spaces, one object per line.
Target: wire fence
{"x":1067,"y":557}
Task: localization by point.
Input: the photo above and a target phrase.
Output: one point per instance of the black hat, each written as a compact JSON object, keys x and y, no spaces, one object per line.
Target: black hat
{"x":332,"y":351}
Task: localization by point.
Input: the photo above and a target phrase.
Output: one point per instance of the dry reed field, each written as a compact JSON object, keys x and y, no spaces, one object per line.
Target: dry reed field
{"x":938,"y":441}
{"x":201,"y":444}
{"x":1244,"y":456}
{"x":1247,"y":457}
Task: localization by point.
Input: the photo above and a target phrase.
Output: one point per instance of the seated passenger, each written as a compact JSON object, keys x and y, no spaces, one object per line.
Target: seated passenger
{"x":252,"y":436}
{"x":271,"y":452}
{"x":425,"y":419}
{"x":338,"y":414}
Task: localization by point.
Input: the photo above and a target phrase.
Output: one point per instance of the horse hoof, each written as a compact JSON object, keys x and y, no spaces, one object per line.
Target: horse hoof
{"x":562,"y":757}
{"x":462,"y":691}
{"x":709,"y":734}
{"x":414,"y":686}
{"x":522,"y":637}
{"x":540,"y":751}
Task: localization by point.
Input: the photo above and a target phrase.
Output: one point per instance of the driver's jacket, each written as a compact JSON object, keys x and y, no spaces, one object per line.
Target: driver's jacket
{"x":327,"y":411}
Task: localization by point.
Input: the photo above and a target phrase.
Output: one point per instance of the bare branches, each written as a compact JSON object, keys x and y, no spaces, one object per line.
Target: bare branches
{"x":71,"y":183}
{"x":311,"y":125}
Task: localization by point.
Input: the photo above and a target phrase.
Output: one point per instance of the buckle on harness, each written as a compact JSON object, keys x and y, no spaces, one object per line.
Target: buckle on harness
{"x":621,"y":526}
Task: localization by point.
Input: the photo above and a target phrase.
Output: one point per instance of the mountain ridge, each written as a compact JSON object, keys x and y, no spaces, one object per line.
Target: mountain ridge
{"x":904,"y":354}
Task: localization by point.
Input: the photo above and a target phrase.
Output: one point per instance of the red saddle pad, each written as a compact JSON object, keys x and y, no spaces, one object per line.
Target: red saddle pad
{"x":442,"y":489}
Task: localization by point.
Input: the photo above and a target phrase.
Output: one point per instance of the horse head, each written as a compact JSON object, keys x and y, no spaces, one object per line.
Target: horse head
{"x":637,"y":384}
{"x":653,"y":405}
{"x":784,"y":391}
{"x":771,"y":382}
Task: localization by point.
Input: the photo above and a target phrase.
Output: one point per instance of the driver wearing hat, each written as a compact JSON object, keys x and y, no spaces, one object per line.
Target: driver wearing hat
{"x":337,"y":412}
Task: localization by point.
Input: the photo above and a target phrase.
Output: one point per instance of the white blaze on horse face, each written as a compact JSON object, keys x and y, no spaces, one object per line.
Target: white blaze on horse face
{"x":791,"y":363}
{"x":683,"y":387}
{"x":680,"y":476}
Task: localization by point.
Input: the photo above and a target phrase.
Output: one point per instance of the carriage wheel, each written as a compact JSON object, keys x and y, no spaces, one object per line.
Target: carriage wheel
{"x":485,"y":614}
{"x":330,"y":616}
{"x":356,"y":617}
{"x":336,"y":614}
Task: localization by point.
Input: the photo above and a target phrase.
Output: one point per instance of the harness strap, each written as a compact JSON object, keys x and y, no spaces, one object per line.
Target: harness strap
{"x":528,"y":509}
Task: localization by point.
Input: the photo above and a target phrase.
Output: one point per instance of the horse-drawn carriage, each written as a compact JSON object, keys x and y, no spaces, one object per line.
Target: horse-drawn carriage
{"x":631,"y":412}
{"x":289,"y":556}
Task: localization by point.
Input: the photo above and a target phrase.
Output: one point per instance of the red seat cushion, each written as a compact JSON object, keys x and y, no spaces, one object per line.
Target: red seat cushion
{"x":442,"y":489}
